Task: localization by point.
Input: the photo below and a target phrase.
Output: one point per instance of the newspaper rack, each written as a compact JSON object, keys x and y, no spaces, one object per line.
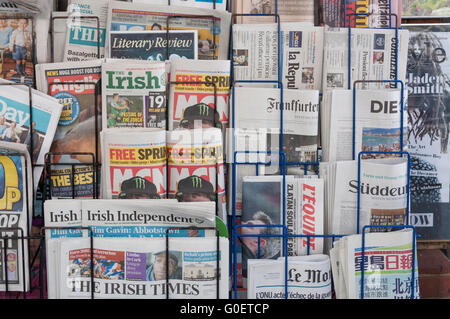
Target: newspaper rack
{"x":169,"y":229}
{"x":73,"y":17}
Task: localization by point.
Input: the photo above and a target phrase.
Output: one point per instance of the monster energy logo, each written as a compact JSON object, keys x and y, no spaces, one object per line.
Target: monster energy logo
{"x":140,"y":183}
{"x":204,"y":109}
{"x":196,"y":182}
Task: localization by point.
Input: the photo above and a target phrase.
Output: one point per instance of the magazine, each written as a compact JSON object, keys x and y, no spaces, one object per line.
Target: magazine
{"x":15,"y":121}
{"x":289,"y":10}
{"x":152,"y":45}
{"x":255,"y":54}
{"x":134,"y":94}
{"x":135,"y":17}
{"x":134,"y":164}
{"x":428,"y":139}
{"x":76,"y":132}
{"x":375,"y":55}
{"x":308,"y":277}
{"x":83,"y":41}
{"x":17,"y":50}
{"x":374,"y":126}
{"x":190,"y":102}
{"x":388,"y":266}
{"x":16,"y":211}
{"x":136,"y":268}
{"x":337,"y":13}
{"x":196,"y":168}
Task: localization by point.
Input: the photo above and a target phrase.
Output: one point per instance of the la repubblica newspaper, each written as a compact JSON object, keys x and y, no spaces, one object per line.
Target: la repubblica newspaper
{"x":113,"y":220}
{"x":16,"y":207}
{"x":255,"y":54}
{"x":74,"y":85}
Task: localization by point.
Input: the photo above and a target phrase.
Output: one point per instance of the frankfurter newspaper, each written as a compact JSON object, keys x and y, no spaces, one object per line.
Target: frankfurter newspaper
{"x":135,"y":16}
{"x":196,"y":168}
{"x":377,"y":128}
{"x":337,"y":13}
{"x":375,"y":55}
{"x":388,"y":266}
{"x":15,"y":121}
{"x":134,"y":94}
{"x":77,"y":127}
{"x":383,"y":194}
{"x":135,"y":268}
{"x":187,"y":99}
{"x":308,"y":277}
{"x":16,"y":207}
{"x":83,"y":40}
{"x":206,"y":4}
{"x":289,"y":10}
{"x":134,"y":163}
{"x":301,"y":54}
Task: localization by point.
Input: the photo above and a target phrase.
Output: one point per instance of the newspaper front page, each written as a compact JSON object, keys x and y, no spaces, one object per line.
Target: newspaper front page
{"x":308,"y":277}
{"x":255,"y":54}
{"x":134,"y":94}
{"x":375,"y":55}
{"x":136,"y":268}
{"x":135,"y":17}
{"x":83,"y":37}
{"x":15,"y":212}
{"x":134,"y":163}
{"x":76,"y":130}
{"x":196,"y":168}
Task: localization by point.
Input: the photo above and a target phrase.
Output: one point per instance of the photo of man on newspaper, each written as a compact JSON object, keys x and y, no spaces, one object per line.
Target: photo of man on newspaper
{"x":157,"y":269}
{"x":208,"y":116}
{"x":125,"y":111}
{"x":195,"y":189}
{"x":138,"y":188}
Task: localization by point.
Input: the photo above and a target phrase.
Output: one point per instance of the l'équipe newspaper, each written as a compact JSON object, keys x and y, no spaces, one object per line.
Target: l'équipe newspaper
{"x":195,"y":166}
{"x":152,"y":45}
{"x":134,"y":164}
{"x":388,"y":266}
{"x":85,"y":36}
{"x":15,"y":121}
{"x":308,"y":277}
{"x":78,"y":125}
{"x":16,"y":207}
{"x":126,"y":16}
{"x":190,"y":102}
{"x":255,"y":54}
{"x":134,"y":94}
{"x":375,"y":55}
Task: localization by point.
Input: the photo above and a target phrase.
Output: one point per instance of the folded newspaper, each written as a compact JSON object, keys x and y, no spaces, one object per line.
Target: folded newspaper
{"x":74,"y":85}
{"x":196,"y":168}
{"x":376,"y":54}
{"x":307,"y":277}
{"x":15,"y":120}
{"x":120,"y":218}
{"x":388,"y":266}
{"x":383,"y":194}
{"x":256,"y":54}
{"x":16,"y":211}
{"x":208,"y":22}
{"x":134,"y":94}
{"x":134,"y":163}
{"x":376,"y":123}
